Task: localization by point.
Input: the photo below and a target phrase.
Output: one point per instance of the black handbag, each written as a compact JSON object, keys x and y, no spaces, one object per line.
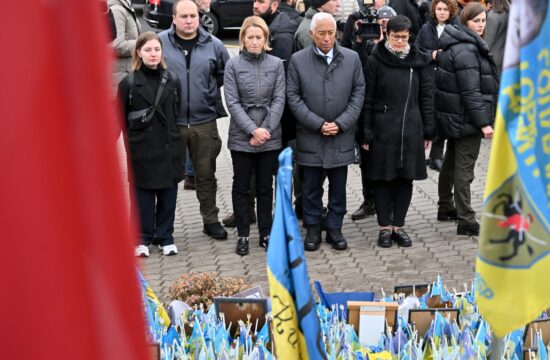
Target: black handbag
{"x":140,"y":119}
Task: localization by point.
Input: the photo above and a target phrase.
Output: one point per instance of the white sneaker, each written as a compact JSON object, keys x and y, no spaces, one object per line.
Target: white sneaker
{"x":169,"y":250}
{"x":141,"y":251}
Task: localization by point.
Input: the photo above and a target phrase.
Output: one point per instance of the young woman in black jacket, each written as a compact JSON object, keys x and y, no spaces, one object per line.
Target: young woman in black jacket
{"x":154,"y":149}
{"x":442,"y":12}
{"x":465,"y":103}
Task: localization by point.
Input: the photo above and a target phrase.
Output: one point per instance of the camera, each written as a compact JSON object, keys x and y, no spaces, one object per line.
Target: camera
{"x":368,"y":27}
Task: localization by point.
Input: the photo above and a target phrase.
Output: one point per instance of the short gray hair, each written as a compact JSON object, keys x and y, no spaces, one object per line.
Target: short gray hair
{"x":321,"y":16}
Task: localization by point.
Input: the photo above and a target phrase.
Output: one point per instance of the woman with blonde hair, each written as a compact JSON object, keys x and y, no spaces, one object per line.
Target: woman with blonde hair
{"x":254,"y":88}
{"x":150,"y":99}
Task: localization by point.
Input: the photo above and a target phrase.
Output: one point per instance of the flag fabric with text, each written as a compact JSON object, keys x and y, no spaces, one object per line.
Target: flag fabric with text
{"x":514,"y":247}
{"x":296,"y":327}
{"x":69,"y":286}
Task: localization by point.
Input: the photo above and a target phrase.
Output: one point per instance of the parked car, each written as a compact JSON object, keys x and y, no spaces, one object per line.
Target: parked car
{"x":224,"y":14}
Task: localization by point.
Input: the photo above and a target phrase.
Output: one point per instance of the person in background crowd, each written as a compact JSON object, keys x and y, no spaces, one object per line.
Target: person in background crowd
{"x":303,"y":38}
{"x":154,"y":151}
{"x":127,"y":32}
{"x":325,"y":90}
{"x":397,"y":125}
{"x":254,"y":130}
{"x":364,"y":48}
{"x":110,"y":19}
{"x":465,"y":102}
{"x":496,"y":30}
{"x":351,"y":26}
{"x":408,"y":8}
{"x":289,"y":7}
{"x":199,"y":59}
{"x":442,"y":12}
{"x":281,"y":40}
{"x":424,"y":10}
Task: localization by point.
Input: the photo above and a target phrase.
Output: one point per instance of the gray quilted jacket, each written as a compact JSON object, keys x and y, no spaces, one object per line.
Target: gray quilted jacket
{"x":254,"y":88}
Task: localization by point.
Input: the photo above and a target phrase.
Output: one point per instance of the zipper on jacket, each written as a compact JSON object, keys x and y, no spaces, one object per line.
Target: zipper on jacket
{"x":188,"y":98}
{"x":257,"y":88}
{"x":405,"y":115}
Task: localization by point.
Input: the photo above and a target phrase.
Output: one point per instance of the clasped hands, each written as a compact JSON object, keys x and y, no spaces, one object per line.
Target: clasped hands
{"x":329,"y":129}
{"x":259,"y":137}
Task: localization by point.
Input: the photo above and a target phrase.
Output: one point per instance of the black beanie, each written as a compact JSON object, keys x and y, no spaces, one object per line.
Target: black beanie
{"x":318,"y":3}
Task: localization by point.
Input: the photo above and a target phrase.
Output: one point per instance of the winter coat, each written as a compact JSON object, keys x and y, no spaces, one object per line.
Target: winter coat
{"x":495,"y":35}
{"x":127,"y":32}
{"x":466,"y":84}
{"x":302,"y":37}
{"x":317,"y":92}
{"x":155,"y":153}
{"x":292,"y":13}
{"x":201,"y":79}
{"x":427,"y":39}
{"x":255,"y":96}
{"x":398,"y":114}
{"x":281,"y":36}
{"x":410,"y":10}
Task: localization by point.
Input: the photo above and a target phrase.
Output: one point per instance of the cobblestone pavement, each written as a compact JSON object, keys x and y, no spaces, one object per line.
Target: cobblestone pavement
{"x":362,"y":267}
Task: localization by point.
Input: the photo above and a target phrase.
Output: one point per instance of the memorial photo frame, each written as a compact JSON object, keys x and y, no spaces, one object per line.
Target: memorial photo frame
{"x":251,"y":310}
{"x":354,"y":309}
{"x":529,"y":338}
{"x":419,"y":289}
{"x":422,"y":318}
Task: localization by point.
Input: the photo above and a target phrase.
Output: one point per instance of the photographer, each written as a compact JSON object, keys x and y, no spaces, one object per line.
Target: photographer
{"x":363,"y":46}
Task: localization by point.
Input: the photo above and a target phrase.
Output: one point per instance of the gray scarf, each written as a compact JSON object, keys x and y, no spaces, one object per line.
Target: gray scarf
{"x":399,"y":53}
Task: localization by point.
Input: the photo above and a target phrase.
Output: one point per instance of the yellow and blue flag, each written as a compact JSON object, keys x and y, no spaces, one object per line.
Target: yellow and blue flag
{"x":296,"y":328}
{"x":512,"y":286}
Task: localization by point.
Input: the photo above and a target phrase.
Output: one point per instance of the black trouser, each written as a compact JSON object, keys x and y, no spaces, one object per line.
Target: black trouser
{"x":457,"y":173}
{"x":400,"y":191}
{"x":157,"y":218}
{"x":265,"y":164}
{"x":312,"y":193}
{"x":365,"y":182}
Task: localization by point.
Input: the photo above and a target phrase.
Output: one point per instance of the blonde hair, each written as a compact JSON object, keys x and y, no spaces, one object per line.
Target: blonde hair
{"x":257,"y":22}
{"x":142,"y":40}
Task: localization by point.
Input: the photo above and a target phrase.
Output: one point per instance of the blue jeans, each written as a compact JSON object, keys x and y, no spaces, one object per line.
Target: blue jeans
{"x":312,"y":195}
{"x":189,"y":170}
{"x":157,"y":218}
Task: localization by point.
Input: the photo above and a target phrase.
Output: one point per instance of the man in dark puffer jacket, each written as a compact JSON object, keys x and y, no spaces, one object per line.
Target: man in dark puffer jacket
{"x":465,"y":102}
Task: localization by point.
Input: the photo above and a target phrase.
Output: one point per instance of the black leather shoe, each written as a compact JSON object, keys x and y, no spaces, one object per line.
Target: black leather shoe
{"x":366,"y":209}
{"x":242,"y":246}
{"x":336,"y":239}
{"x":215,"y":231}
{"x":312,"y":241}
{"x":435,"y":164}
{"x":447,"y":215}
{"x":468,"y":229}
{"x":385,"y":238}
{"x":401,"y":238}
{"x":264,"y":241}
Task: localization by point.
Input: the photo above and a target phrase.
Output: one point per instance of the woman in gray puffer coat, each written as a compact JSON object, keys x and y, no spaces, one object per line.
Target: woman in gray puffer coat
{"x":254,"y":88}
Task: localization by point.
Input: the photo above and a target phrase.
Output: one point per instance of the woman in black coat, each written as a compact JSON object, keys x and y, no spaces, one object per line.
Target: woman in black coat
{"x":397,"y":124}
{"x":465,"y":103}
{"x":154,"y":149}
{"x":442,"y":12}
